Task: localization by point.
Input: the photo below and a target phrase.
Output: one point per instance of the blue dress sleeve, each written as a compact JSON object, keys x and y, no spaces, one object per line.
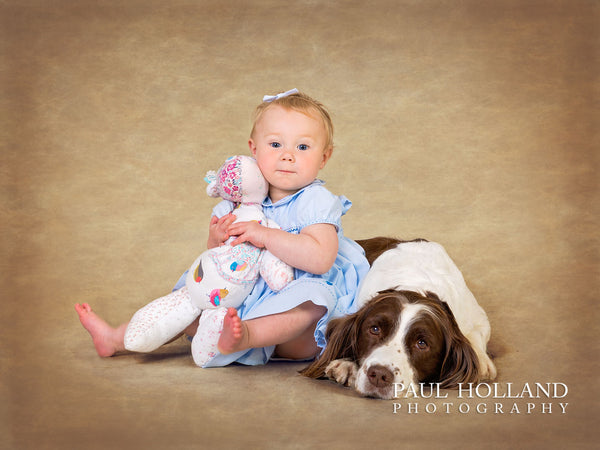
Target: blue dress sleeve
{"x":223,"y":208}
{"x":318,"y":205}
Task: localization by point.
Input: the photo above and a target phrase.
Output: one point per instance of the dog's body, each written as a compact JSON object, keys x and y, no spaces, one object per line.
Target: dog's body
{"x":417,"y":322}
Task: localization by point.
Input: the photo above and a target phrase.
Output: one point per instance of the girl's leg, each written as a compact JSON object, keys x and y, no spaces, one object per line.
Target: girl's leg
{"x":291,"y":331}
{"x":156,"y":324}
{"x":302,"y":347}
{"x":107,"y":340}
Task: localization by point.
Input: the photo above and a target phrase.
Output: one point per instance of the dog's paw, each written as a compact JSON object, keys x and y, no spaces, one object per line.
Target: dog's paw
{"x":487,"y":369}
{"x":343,"y":371}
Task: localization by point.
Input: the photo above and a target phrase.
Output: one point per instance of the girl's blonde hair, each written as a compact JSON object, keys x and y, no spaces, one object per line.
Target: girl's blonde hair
{"x":302,"y":103}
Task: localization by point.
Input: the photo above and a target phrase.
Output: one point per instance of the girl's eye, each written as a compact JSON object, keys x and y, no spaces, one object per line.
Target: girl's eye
{"x":275,"y":144}
{"x":422,"y":344}
{"x":303,"y":147}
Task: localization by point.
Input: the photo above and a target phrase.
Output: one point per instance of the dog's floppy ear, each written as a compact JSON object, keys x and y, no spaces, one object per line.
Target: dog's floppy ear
{"x":460,"y":362}
{"x":460,"y":366}
{"x":342,"y":334}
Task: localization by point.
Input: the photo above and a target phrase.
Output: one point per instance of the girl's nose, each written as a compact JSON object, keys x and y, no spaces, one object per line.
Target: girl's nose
{"x":287,"y":155}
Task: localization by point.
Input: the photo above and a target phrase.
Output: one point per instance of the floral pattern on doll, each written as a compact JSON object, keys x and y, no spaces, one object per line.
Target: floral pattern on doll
{"x":230,"y":180}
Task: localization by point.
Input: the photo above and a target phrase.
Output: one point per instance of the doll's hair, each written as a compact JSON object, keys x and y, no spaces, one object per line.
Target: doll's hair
{"x":302,"y":103}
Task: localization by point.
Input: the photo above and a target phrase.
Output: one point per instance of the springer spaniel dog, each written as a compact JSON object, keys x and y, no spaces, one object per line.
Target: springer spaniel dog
{"x":417,"y":322}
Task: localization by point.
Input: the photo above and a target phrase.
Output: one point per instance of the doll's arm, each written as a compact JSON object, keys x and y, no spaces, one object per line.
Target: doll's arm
{"x":274,"y":271}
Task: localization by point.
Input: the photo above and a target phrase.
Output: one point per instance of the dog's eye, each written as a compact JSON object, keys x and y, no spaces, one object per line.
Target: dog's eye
{"x":422,"y":344}
{"x":375,"y":330}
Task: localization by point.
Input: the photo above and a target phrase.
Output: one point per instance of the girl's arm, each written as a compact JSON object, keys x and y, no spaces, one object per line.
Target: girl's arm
{"x":313,"y":250}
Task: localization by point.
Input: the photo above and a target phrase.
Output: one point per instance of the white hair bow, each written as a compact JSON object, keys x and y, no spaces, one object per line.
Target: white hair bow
{"x":270,"y":98}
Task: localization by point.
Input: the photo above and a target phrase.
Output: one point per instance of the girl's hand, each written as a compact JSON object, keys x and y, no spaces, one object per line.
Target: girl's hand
{"x":217,"y":230}
{"x":252,"y":232}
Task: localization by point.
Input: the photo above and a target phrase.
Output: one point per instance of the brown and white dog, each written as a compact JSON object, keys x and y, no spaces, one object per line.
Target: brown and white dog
{"x":417,"y":322}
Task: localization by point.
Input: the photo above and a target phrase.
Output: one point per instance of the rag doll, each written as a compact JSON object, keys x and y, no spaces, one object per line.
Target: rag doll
{"x":220,"y":277}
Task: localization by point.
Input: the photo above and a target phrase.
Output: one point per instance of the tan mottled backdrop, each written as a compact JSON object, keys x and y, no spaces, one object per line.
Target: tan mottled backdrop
{"x":471,"y":123}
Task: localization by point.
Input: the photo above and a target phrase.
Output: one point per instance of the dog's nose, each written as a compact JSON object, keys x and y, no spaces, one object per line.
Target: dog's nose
{"x":379,"y":376}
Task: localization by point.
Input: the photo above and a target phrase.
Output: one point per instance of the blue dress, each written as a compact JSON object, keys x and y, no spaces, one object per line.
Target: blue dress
{"x":335,"y":289}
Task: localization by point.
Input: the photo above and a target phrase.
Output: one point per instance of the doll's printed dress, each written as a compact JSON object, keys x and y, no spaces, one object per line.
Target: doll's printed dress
{"x":237,"y":264}
{"x":223,"y":276}
{"x":335,"y":289}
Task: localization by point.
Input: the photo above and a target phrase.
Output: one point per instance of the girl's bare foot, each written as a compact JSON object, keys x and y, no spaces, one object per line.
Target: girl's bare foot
{"x":107,"y":340}
{"x":234,"y":336}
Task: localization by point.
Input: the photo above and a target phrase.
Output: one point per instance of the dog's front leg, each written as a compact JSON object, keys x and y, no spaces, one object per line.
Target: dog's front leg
{"x":343,"y":371}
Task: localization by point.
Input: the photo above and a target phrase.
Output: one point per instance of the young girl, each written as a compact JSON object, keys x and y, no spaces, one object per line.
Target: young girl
{"x":291,"y":140}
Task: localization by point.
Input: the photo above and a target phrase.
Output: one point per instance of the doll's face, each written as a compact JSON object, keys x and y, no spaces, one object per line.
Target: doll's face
{"x":289,"y":147}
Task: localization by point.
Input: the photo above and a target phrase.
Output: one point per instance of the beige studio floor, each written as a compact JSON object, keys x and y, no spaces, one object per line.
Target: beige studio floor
{"x":471,"y":123}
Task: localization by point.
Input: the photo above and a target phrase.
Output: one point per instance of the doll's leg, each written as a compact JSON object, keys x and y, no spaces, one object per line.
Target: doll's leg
{"x":204,"y":343}
{"x":160,"y":321}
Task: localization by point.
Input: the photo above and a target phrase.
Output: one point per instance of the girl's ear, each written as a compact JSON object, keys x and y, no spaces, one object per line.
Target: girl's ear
{"x":326,"y":155}
{"x":252,"y":147}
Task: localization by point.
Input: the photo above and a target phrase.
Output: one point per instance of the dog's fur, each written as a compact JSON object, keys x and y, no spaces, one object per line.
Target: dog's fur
{"x":416,"y":322}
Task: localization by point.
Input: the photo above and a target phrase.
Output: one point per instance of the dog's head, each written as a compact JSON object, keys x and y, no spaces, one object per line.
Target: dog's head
{"x":401,"y":338}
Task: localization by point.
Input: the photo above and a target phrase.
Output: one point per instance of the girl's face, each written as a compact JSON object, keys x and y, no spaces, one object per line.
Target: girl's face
{"x":289,"y":147}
